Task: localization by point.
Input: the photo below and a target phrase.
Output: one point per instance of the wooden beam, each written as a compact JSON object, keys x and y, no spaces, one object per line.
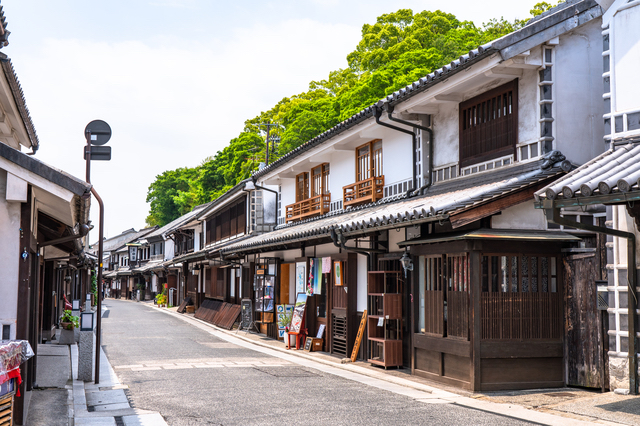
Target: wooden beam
{"x":493,"y":207}
{"x":504,"y":73}
{"x":449,"y":97}
{"x":424,"y":109}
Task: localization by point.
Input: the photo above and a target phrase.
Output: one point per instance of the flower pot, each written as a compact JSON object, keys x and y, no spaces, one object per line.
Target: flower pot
{"x":66,"y":325}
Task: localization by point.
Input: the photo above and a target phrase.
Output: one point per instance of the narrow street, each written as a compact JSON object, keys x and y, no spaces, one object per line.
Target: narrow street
{"x":194,"y":378}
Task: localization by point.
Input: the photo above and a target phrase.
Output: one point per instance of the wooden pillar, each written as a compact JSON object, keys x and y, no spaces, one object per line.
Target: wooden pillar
{"x":475,"y":275}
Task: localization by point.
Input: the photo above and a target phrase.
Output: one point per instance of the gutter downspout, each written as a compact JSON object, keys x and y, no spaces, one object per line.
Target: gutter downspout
{"x":553,"y":216}
{"x":427,"y":181}
{"x":378,"y":113}
{"x":340,"y":241}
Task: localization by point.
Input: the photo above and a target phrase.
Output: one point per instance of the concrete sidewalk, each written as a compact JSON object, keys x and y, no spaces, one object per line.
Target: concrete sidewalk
{"x":60,"y":399}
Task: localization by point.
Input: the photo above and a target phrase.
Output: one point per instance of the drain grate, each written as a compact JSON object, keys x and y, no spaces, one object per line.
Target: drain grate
{"x":560,"y":394}
{"x":286,"y":372}
{"x":119,"y":421}
{"x":127,"y":393}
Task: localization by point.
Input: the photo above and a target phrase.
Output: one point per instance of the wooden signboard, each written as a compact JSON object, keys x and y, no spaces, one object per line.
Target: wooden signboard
{"x":307,"y":344}
{"x":298,"y":313}
{"x":246,"y":314}
{"x":356,"y":346}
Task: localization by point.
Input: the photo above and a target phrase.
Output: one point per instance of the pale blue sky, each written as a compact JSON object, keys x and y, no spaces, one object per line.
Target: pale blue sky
{"x":176,"y":79}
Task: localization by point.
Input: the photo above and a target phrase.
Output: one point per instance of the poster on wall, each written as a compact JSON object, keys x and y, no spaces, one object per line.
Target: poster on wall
{"x":326,"y":265}
{"x":298,"y":313}
{"x":301,"y":272}
{"x":337,"y":273}
{"x":284,"y":313}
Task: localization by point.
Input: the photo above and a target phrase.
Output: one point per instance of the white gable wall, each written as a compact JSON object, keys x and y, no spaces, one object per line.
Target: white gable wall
{"x":578,"y":104}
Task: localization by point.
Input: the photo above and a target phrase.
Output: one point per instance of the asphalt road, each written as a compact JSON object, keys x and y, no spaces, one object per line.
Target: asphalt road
{"x":194,"y":378}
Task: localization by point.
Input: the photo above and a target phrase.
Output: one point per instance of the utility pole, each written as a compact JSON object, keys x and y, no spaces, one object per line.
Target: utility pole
{"x":268,"y":125}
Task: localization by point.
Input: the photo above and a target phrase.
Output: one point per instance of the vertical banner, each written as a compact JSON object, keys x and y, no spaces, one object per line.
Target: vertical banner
{"x":301,"y":274}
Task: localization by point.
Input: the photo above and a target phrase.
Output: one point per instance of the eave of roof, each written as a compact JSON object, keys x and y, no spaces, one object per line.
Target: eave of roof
{"x":442,"y":200}
{"x":56,"y":176}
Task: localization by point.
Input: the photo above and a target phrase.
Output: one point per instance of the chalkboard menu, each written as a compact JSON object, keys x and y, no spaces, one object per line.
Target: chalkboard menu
{"x":298,"y":313}
{"x":246,"y":313}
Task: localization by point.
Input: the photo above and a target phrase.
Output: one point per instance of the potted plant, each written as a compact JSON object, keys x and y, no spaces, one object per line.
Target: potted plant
{"x":161,"y":299}
{"x":68,"y":321}
{"x":94,"y":289}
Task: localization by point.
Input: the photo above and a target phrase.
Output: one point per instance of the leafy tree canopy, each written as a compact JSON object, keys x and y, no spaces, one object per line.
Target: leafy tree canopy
{"x":400,"y":48}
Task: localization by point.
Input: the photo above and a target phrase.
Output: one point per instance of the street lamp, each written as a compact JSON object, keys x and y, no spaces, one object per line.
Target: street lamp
{"x":407,"y":263}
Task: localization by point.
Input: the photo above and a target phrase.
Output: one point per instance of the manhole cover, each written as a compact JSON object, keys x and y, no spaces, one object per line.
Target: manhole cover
{"x":560,"y":394}
{"x":286,"y":372}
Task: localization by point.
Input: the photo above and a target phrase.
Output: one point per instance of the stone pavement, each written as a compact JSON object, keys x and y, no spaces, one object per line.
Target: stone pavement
{"x":561,"y":406}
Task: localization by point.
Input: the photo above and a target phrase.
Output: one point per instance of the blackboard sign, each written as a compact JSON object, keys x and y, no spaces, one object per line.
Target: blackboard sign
{"x":307,"y":344}
{"x":246,"y":314}
{"x":298,"y":313}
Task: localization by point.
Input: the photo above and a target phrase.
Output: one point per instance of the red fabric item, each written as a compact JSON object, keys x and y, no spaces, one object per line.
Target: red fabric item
{"x":16,"y":374}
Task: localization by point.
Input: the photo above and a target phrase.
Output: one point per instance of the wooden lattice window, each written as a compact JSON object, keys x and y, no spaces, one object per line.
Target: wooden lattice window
{"x":369,"y":160}
{"x":521,"y":297}
{"x":489,"y":124}
{"x":320,"y":180}
{"x":446,"y":295}
{"x":227,"y":223}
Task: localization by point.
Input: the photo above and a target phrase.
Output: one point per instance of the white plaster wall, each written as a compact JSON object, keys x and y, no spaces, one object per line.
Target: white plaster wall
{"x":324,"y":250}
{"x":626,"y":58}
{"x":9,"y":256}
{"x":521,"y":216}
{"x":169,"y":249}
{"x":528,"y":109}
{"x":397,"y":156}
{"x":288,"y":193}
{"x":446,"y":134}
{"x":362,"y":283}
{"x":342,"y":172}
{"x":154,"y":283}
{"x":396,"y":236}
{"x":578,"y":105}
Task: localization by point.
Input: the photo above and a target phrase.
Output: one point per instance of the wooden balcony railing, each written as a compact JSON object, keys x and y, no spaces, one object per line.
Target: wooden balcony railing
{"x":366,"y":191}
{"x":314,"y":206}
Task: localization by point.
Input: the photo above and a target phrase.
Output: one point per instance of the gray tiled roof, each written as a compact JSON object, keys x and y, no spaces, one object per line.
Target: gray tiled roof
{"x":615,"y":171}
{"x":176,"y":223}
{"x":442,"y":200}
{"x":21,"y":103}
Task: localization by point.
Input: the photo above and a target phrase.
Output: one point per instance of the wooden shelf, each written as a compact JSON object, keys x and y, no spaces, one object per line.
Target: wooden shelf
{"x":384,"y":323}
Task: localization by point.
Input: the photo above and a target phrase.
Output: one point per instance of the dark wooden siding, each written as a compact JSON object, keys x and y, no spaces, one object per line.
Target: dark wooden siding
{"x":489,"y":124}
